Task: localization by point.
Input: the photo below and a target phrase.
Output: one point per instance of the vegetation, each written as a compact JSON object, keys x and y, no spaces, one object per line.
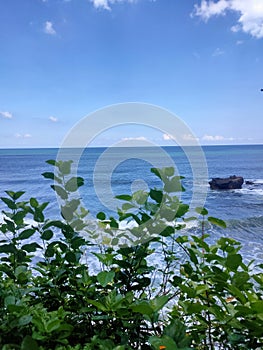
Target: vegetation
{"x":203,"y":296}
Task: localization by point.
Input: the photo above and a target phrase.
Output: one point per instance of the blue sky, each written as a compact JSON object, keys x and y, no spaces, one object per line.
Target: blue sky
{"x":62,"y":59}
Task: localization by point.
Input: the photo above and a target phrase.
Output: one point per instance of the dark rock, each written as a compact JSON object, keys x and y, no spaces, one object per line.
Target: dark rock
{"x":229,"y":183}
{"x":249,"y":182}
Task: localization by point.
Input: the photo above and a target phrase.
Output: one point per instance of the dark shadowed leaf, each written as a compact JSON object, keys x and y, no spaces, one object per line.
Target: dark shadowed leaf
{"x":157,"y":172}
{"x":52,"y":162}
{"x":9,"y":202}
{"x":29,"y":344}
{"x":32,"y":247}
{"x":156,"y":195}
{"x":70,"y":257}
{"x":47,"y":235}
{"x":101,"y":216}
{"x":26,"y":233}
{"x":51,"y":176}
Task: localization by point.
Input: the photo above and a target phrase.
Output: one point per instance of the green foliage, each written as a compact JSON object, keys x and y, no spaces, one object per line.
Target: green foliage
{"x":202,"y":296}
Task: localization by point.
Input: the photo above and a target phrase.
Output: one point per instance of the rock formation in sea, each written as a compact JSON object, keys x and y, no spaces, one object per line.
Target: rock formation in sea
{"x":228,"y":183}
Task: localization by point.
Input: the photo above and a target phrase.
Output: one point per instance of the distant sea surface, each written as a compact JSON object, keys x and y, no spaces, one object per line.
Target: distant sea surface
{"x":21,"y":169}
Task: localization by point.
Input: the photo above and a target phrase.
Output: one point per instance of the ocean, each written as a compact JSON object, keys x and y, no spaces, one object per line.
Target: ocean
{"x":123,"y":170}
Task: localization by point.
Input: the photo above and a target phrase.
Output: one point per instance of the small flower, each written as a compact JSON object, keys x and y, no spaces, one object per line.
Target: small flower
{"x":162,"y":347}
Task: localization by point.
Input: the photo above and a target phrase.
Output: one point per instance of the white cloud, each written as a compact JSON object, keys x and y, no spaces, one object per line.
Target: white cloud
{"x":208,"y":9}
{"x":218,"y":52}
{"x":250,"y":14}
{"x":190,"y":137}
{"x":23,"y":136}
{"x":6,"y":115}
{"x":213,"y":138}
{"x":48,"y":28}
{"x":139,"y":138}
{"x":53,"y":119}
{"x":167,"y":137}
{"x":105,"y":4}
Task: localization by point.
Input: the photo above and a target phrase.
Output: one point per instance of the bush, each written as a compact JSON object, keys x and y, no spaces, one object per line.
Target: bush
{"x":202,"y":297}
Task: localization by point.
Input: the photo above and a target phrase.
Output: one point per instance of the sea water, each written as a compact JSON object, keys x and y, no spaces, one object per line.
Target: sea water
{"x":21,"y":169}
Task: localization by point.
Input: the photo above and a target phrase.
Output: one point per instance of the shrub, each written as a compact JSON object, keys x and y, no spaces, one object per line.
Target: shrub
{"x":203,"y":296}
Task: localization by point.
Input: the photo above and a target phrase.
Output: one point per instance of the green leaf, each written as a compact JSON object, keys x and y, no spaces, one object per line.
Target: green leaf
{"x":26,"y":233}
{"x":32,"y":247}
{"x":38,"y":215}
{"x":29,"y":344}
{"x":48,"y":175}
{"x":140,"y":196}
{"x":69,"y":209}
{"x":65,"y":167}
{"x":201,"y":210}
{"x":74,"y":183}
{"x":235,"y":292}
{"x":193,"y":257}
{"x":105,"y":277}
{"x":10,"y":300}
{"x":97,"y":304}
{"x":19,"y":217}
{"x":51,"y":176}
{"x":52,"y":162}
{"x":53,"y":325}
{"x":10,"y":194}
{"x":18,"y":194}
{"x":77,"y":242}
{"x":173,"y":185}
{"x":24,"y":320}
{"x":10,"y":203}
{"x":7,"y":248}
{"x":182,"y":210}
{"x":33,"y":202}
{"x":127,"y":206}
{"x":124,"y":197}
{"x":257,"y":306}
{"x":113,"y":223}
{"x":164,"y":342}
{"x":70,"y":257}
{"x":217,"y":222}
{"x":101,"y":216}
{"x":157,"y":172}
{"x":168,"y":231}
{"x":60,"y":191}
{"x":159,"y":302}
{"x":156,"y":195}
{"x":233,"y":261}
{"x":142,"y":307}
{"x":47,"y":235}
{"x":240,"y":279}
{"x":55,"y":223}
{"x":169,"y":171}
{"x":167,"y":213}
{"x":106,"y":259}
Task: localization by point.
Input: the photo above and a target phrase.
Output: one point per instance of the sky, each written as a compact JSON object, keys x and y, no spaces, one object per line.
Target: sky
{"x":64,"y":59}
